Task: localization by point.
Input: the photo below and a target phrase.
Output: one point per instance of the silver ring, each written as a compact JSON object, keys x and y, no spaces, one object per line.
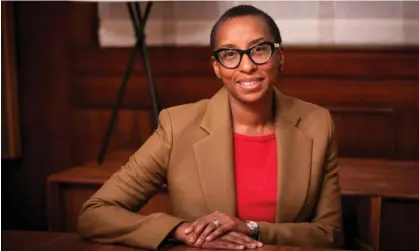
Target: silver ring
{"x":216,"y":223}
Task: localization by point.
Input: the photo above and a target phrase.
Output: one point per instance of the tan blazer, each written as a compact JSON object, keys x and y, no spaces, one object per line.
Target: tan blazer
{"x":192,"y":150}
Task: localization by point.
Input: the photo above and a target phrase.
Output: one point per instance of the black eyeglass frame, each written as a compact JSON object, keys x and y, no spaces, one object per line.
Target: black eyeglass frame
{"x":247,"y":52}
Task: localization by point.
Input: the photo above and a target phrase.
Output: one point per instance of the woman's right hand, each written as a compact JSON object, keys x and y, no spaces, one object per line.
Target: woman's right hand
{"x":230,"y":240}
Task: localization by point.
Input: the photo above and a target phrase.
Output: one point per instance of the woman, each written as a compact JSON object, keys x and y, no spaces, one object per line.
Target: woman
{"x":248,"y":167}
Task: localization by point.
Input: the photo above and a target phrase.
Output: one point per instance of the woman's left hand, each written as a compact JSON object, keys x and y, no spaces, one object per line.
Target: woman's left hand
{"x":206,"y":229}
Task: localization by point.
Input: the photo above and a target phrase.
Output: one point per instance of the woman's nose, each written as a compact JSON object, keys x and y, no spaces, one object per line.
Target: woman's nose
{"x":247,"y":65}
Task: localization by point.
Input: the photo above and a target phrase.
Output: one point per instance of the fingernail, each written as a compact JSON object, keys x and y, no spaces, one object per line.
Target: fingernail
{"x":241,"y":247}
{"x":260,"y":244}
{"x":208,"y":238}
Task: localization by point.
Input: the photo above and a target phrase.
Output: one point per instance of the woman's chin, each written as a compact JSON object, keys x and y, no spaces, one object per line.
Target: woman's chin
{"x":252,"y":97}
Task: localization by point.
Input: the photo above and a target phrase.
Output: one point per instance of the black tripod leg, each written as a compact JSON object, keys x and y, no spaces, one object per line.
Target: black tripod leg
{"x":114,"y":115}
{"x":138,"y":25}
{"x":153,"y":92}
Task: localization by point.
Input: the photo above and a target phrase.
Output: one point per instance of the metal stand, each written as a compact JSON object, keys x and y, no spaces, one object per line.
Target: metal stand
{"x":138,"y":23}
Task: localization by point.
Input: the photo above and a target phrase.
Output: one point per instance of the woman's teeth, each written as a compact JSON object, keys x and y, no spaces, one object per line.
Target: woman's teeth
{"x":249,"y":84}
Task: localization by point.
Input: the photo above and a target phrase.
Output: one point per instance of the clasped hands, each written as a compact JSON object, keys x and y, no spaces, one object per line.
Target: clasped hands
{"x":231,"y":233}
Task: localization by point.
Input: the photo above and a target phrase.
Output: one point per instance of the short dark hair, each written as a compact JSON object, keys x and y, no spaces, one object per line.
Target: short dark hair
{"x":245,"y":10}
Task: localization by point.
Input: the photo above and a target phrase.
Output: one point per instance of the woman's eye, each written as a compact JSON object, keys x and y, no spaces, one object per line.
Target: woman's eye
{"x":228,"y":54}
{"x":260,"y":48}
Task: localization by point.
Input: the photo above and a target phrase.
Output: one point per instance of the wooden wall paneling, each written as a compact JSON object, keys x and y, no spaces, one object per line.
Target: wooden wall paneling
{"x":370,"y":63}
{"x":407,"y":134}
{"x":365,"y":132}
{"x":379,"y":177}
{"x":378,"y":93}
{"x":367,"y":62}
{"x":374,"y":230}
{"x":92,"y":90}
{"x":44,"y":35}
{"x":43,"y":93}
{"x":362,"y":222}
{"x":400,"y":225}
{"x":99,"y":91}
{"x":10,"y":126}
{"x":372,"y":94}
{"x":132,"y":128}
{"x":54,"y":206}
{"x":84,"y":24}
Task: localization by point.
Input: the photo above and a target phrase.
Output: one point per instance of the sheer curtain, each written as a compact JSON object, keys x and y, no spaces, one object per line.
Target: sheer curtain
{"x":300,"y":22}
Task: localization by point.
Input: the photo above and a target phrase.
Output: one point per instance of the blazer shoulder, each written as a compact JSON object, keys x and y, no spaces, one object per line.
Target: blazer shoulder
{"x":314,"y":118}
{"x":185,"y":116}
{"x":305,"y":109}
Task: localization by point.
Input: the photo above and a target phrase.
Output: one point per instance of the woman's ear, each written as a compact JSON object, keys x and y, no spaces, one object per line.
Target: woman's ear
{"x":280,"y":59}
{"x":216,"y":67}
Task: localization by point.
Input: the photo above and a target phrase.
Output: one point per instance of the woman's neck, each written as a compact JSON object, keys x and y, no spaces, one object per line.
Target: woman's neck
{"x":253,"y":119}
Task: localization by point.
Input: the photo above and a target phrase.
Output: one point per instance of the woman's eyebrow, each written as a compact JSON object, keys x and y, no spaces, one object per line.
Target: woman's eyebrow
{"x":256,"y":41}
{"x":228,"y":46}
{"x":253,"y":42}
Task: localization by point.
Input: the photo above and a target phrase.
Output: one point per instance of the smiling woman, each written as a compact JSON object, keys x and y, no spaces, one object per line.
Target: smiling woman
{"x":247,"y":167}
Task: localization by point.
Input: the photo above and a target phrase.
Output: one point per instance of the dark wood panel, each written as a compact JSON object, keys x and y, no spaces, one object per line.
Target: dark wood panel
{"x":44,"y":33}
{"x":44,"y":105}
{"x":100,"y":91}
{"x":407,"y":134}
{"x":358,"y":63}
{"x":315,"y":61}
{"x":84,"y":24}
{"x":379,"y":178}
{"x":11,"y":138}
{"x":361,"y":222}
{"x":131,"y":129}
{"x":401,"y":217}
{"x":365,"y":132}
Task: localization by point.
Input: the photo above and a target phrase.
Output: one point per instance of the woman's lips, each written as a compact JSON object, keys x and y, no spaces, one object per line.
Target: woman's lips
{"x":250,"y":84}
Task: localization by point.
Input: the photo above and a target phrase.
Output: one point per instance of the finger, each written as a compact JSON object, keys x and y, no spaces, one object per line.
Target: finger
{"x":237,"y":240}
{"x":246,"y":239}
{"x":220,"y":244}
{"x":218,"y":232}
{"x":242,"y":237}
{"x":207,"y":230}
{"x":191,"y":227}
{"x":197,"y":231}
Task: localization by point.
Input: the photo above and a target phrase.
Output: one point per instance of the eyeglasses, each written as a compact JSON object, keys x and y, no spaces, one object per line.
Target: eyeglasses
{"x":258,"y":54}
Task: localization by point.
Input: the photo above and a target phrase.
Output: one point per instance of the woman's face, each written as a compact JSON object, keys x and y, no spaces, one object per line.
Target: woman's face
{"x":248,"y":82}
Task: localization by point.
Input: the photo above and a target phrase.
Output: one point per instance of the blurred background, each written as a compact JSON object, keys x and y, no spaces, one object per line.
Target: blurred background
{"x":63,"y":63}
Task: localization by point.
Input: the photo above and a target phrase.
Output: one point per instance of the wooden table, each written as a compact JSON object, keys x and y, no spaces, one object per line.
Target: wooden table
{"x":54,"y":241}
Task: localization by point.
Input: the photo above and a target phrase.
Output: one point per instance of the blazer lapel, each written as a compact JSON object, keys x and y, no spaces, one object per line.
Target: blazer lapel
{"x":214,"y":156}
{"x":294,"y":162}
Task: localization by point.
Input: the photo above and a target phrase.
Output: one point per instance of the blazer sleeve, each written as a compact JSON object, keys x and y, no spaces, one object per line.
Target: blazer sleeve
{"x":110,"y":215}
{"x":325,"y":229}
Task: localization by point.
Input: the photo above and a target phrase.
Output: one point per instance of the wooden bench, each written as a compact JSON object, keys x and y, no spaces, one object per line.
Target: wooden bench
{"x":368,"y":187}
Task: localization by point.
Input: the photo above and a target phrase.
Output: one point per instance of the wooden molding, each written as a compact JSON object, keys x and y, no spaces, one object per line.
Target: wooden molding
{"x":10,"y":116}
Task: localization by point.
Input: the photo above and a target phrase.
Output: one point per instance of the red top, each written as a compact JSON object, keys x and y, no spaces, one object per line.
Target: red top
{"x":256,"y":176}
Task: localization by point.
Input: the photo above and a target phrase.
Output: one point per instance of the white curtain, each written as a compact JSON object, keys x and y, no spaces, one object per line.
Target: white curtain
{"x":300,"y":22}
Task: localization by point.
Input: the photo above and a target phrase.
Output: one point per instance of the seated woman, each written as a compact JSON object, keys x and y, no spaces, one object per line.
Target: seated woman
{"x":248,"y":167}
